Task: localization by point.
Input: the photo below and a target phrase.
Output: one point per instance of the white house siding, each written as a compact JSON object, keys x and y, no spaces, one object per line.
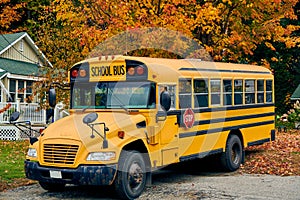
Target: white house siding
{"x":27,"y":55}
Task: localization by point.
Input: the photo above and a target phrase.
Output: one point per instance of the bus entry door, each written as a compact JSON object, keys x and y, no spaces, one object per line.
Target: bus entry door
{"x":169,"y":139}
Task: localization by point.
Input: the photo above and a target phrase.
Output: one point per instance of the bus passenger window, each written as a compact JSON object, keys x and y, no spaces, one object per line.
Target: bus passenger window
{"x":215,"y":92}
{"x":238,"y":92}
{"x":200,"y":93}
{"x":185,"y":89}
{"x":172,"y":91}
{"x":249,"y":91}
{"x":269,"y":95}
{"x":227,"y":92}
{"x":260,"y":91}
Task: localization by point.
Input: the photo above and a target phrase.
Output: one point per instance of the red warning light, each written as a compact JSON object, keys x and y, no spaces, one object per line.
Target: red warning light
{"x":74,"y":73}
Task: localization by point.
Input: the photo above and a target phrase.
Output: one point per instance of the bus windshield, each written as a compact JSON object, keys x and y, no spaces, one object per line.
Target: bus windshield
{"x":105,"y":95}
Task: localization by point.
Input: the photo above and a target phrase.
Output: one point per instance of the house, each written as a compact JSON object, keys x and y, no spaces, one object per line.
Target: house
{"x":296,"y":95}
{"x":20,"y":60}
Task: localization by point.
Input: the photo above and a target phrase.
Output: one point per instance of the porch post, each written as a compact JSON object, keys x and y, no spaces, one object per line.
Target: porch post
{"x":18,"y":104}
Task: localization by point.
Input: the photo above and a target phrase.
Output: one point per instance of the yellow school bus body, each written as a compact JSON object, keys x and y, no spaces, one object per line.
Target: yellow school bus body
{"x":161,"y":136}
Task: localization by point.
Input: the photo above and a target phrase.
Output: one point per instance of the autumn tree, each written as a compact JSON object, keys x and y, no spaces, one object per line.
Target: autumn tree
{"x":11,"y":12}
{"x":229,"y":30}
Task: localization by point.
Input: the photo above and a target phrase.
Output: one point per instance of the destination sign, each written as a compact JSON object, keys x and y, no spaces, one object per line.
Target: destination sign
{"x":108,"y":71}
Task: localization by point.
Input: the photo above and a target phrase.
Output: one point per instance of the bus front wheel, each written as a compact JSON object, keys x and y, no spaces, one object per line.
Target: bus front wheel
{"x":231,"y":159}
{"x":131,"y":177}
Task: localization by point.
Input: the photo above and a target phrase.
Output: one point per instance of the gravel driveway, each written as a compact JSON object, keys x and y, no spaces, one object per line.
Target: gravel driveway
{"x":170,"y":185}
{"x":173,"y":184}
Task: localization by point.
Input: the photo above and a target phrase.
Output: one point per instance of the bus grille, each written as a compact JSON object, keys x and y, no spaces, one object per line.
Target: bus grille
{"x":60,"y":153}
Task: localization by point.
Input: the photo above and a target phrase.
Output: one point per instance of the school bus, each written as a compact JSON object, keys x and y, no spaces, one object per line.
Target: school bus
{"x":133,"y":115}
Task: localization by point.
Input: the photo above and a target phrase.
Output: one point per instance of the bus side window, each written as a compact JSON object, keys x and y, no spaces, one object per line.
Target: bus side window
{"x":172,"y":91}
{"x":200,"y":93}
{"x":269,"y":94}
{"x":185,"y":91}
{"x":249,"y":91}
{"x":227,"y":92}
{"x":215,"y":92}
{"x":260,"y":87}
{"x":238,"y":92}
{"x":152,"y":96}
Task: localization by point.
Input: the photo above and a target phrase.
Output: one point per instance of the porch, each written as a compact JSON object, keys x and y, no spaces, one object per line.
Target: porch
{"x":30,"y":112}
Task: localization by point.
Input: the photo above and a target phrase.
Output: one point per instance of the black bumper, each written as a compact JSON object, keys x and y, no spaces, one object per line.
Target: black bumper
{"x":83,"y":175}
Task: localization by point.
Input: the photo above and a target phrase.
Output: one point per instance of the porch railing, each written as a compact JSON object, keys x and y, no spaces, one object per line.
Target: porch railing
{"x":28,"y":112}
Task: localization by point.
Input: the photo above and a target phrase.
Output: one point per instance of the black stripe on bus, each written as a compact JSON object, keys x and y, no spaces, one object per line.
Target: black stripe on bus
{"x":217,"y":109}
{"x":222,"y":70}
{"x":217,"y":120}
{"x":258,"y":142}
{"x":217,"y":130}
{"x":200,"y":155}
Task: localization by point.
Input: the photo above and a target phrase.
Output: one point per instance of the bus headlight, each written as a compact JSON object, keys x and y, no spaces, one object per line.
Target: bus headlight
{"x":101,"y":156}
{"x":32,"y":153}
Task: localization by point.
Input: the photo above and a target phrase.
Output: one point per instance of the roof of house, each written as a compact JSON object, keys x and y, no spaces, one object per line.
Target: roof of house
{"x":18,"y":67}
{"x":296,"y":94}
{"x":8,"y":40}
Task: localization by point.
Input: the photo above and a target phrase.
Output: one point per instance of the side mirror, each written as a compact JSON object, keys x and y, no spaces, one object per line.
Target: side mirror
{"x":90,"y":118}
{"x":52,"y":97}
{"x":14,"y":117}
{"x":165,"y":100}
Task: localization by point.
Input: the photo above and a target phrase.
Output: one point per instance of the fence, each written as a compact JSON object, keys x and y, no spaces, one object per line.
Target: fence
{"x":28,"y":112}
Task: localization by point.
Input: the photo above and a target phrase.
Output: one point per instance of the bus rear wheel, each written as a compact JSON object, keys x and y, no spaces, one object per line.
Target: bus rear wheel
{"x":231,"y":159}
{"x":131,"y":177}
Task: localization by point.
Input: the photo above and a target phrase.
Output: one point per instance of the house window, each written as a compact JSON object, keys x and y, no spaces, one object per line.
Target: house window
{"x":21,"y":47}
{"x":12,"y":89}
{"x":20,"y":89}
{"x":28,"y":91}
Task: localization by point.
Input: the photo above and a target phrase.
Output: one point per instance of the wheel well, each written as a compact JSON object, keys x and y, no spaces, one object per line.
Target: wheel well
{"x":239,"y":134}
{"x":139,"y":146}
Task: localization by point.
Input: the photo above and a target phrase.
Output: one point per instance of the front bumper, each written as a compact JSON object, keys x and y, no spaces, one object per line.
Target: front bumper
{"x":83,"y":175}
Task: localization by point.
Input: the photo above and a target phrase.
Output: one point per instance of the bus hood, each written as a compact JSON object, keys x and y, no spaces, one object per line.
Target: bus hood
{"x":73,"y":128}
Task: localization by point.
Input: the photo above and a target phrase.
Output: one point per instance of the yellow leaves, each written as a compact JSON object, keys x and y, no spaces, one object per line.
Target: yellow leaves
{"x":10,"y":13}
{"x":265,"y":63}
{"x":274,"y":59}
{"x":270,"y":46}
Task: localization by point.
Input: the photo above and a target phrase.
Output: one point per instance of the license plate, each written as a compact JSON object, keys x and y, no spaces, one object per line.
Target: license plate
{"x":55,"y":174}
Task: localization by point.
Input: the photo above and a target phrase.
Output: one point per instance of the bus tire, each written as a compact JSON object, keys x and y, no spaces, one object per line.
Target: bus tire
{"x":232,"y":158}
{"x":131,"y":176}
{"x":53,"y":187}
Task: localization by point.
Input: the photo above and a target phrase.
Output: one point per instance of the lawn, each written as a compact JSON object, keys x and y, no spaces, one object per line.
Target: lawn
{"x":280,"y":157}
{"x":12,"y":155}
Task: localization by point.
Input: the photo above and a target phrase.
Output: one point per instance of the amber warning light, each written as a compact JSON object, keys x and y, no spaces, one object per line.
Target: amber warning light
{"x":81,"y":73}
{"x":132,"y":71}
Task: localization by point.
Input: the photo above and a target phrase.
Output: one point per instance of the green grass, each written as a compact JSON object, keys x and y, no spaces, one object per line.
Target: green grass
{"x":12,"y":156}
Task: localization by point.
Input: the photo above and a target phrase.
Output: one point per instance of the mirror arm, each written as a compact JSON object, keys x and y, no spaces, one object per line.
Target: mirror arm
{"x":158,"y":115}
{"x":20,"y":124}
{"x":105,"y":143}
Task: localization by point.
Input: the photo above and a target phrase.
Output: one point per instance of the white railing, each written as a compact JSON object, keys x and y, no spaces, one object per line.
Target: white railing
{"x":28,"y":112}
